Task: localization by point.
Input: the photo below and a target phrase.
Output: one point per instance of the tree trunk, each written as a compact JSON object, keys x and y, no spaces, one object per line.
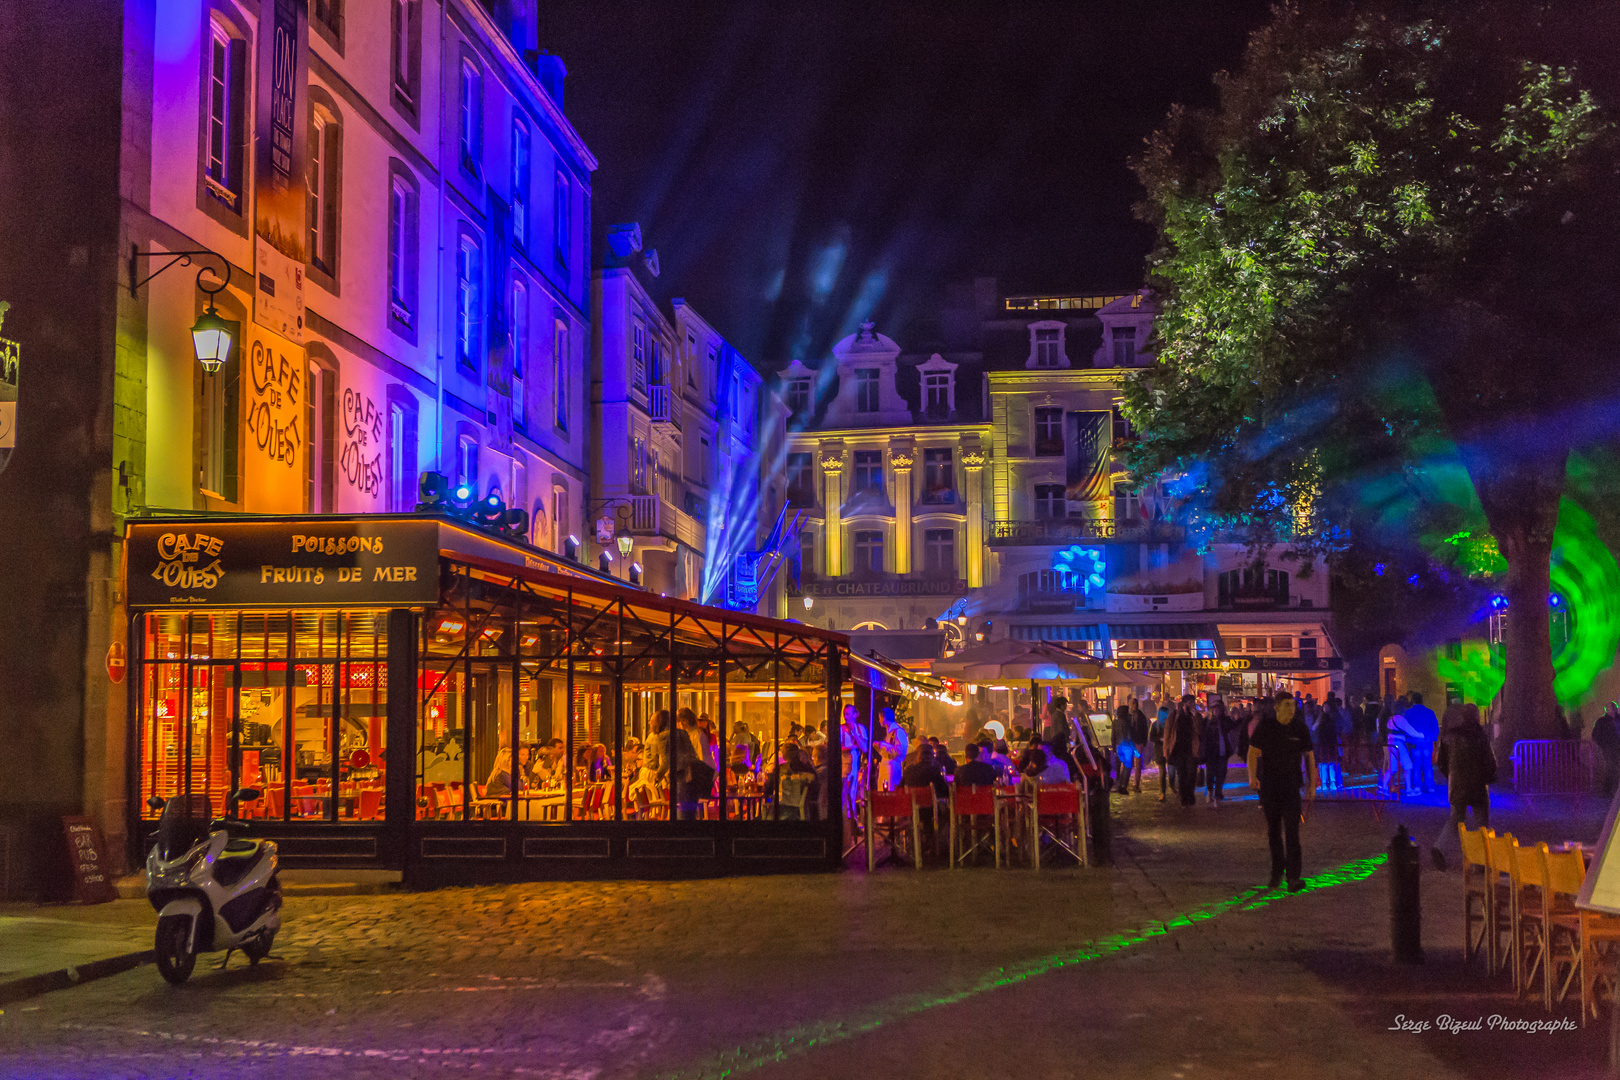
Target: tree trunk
{"x":1520,"y":499}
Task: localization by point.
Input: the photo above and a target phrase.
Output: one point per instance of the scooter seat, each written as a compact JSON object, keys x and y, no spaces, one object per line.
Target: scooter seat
{"x":241,"y":847}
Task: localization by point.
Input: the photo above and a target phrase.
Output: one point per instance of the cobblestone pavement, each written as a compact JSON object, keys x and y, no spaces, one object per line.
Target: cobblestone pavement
{"x":1171,"y":965}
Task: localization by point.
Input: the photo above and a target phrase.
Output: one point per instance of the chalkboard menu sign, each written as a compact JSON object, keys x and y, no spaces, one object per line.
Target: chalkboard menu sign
{"x":91,"y":884}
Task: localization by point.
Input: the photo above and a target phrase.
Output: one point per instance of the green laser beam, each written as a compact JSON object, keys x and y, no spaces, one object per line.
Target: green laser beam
{"x":806,"y":1037}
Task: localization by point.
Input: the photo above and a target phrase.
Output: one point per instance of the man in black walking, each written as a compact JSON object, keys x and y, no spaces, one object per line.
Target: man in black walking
{"x":1280,"y":760}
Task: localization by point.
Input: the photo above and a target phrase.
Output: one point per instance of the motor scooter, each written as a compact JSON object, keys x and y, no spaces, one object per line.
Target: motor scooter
{"x":211,"y":891}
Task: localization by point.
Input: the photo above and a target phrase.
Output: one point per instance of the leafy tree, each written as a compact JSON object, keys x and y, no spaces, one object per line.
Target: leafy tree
{"x":1398,"y":229}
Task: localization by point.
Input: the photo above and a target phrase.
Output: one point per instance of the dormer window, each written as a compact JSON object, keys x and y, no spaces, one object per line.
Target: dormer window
{"x":937,"y":395}
{"x":866,"y":390}
{"x":1124,"y":339}
{"x":798,"y":395}
{"x":1046,"y":349}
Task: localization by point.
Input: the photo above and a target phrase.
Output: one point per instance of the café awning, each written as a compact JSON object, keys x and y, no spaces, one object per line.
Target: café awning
{"x":1019,"y":661}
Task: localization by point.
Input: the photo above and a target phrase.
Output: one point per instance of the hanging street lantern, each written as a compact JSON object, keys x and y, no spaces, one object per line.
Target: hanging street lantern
{"x":212,"y":339}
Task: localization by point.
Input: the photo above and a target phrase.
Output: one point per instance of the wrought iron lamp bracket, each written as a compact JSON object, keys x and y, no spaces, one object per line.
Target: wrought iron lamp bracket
{"x":180,"y":258}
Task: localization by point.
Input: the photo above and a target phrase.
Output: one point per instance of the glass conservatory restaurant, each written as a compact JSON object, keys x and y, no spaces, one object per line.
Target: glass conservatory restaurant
{"x":409,"y":693}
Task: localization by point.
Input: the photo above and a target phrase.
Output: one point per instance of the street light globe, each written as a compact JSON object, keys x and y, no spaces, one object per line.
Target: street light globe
{"x":809,"y":602}
{"x":961,"y":620}
{"x":211,"y":340}
{"x":626,"y":543}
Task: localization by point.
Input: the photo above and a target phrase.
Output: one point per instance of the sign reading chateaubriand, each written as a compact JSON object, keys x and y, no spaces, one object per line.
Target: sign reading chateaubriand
{"x":292,"y":563}
{"x":1234,"y":663}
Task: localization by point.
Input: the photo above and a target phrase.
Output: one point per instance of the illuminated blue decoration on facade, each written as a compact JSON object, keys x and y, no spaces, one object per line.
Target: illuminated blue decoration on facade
{"x":1086,"y":564}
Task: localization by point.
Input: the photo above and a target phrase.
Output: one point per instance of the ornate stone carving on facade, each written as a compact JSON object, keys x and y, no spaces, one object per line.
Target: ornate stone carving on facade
{"x":901,"y":459}
{"x":832,"y":464}
{"x":974,"y":459}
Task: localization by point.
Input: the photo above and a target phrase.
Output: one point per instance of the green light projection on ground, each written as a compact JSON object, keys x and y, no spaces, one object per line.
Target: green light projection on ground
{"x":1587,"y":578}
{"x":806,"y":1037}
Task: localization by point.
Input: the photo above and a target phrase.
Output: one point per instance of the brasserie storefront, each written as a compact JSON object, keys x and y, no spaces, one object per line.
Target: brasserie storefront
{"x":382,"y":679}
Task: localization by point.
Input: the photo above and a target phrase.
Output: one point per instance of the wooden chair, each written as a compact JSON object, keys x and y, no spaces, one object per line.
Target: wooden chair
{"x":1056,"y":816}
{"x":1477,"y":893}
{"x":1503,"y":852}
{"x":1006,"y":801}
{"x":923,"y":799}
{"x":427,"y":802}
{"x":1535,"y":933}
{"x":888,"y":816}
{"x":967,"y":806}
{"x":1564,"y":872}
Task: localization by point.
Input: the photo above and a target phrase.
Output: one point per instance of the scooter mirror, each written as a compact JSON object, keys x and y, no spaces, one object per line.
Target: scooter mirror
{"x":247,"y":794}
{"x":154,"y":803}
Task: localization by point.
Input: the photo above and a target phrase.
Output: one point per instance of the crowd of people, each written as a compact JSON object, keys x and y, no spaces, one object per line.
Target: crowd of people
{"x":791,"y":776}
{"x":1056,"y":753}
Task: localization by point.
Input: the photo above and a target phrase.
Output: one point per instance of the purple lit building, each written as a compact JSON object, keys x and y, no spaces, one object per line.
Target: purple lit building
{"x":402,"y":207}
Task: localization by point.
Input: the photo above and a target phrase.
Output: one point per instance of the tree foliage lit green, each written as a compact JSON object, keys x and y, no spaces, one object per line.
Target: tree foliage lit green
{"x":1394,"y":236}
{"x":1397,"y":230}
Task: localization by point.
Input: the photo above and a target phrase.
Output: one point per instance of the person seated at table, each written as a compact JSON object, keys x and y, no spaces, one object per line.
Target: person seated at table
{"x":973,"y":772}
{"x":525,"y":766}
{"x":632,"y":756}
{"x":643,"y":792}
{"x":600,"y":768}
{"x":499,"y":784}
{"x":922,"y":771}
{"x":942,"y":757}
{"x":549,"y":770}
{"x":1000,"y":760}
{"x":1034,"y":745}
{"x":741,"y":734}
{"x":739,"y":769}
{"x":790,"y":781}
{"x":814,"y":736}
{"x":655,"y":751}
{"x":1054,"y":771}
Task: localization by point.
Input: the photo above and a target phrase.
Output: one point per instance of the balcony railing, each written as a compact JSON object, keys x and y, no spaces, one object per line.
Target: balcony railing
{"x":1081,"y":530}
{"x":663,"y":406}
{"x":644,"y":515}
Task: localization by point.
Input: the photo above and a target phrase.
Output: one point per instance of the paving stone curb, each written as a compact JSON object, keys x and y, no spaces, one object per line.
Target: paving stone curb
{"x":14,"y":990}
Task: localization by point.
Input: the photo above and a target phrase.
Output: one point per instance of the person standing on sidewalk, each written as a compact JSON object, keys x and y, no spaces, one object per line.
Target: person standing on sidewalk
{"x":1280,"y":760}
{"x":1181,"y":747}
{"x":1217,"y":747}
{"x":1469,"y":766}
{"x":1421,"y":719}
{"x":1156,"y":737}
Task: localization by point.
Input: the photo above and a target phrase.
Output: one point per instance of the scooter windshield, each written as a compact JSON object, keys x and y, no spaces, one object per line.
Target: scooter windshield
{"x":178,"y":829}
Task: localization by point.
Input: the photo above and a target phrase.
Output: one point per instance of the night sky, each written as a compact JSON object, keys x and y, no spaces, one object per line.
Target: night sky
{"x":802,"y":166}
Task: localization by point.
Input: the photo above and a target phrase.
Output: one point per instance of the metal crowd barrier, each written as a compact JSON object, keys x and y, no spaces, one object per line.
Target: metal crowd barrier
{"x":1556,"y":767}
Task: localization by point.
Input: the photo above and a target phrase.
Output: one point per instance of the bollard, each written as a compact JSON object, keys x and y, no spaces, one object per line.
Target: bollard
{"x":1101,"y":840}
{"x":1405,"y":902}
